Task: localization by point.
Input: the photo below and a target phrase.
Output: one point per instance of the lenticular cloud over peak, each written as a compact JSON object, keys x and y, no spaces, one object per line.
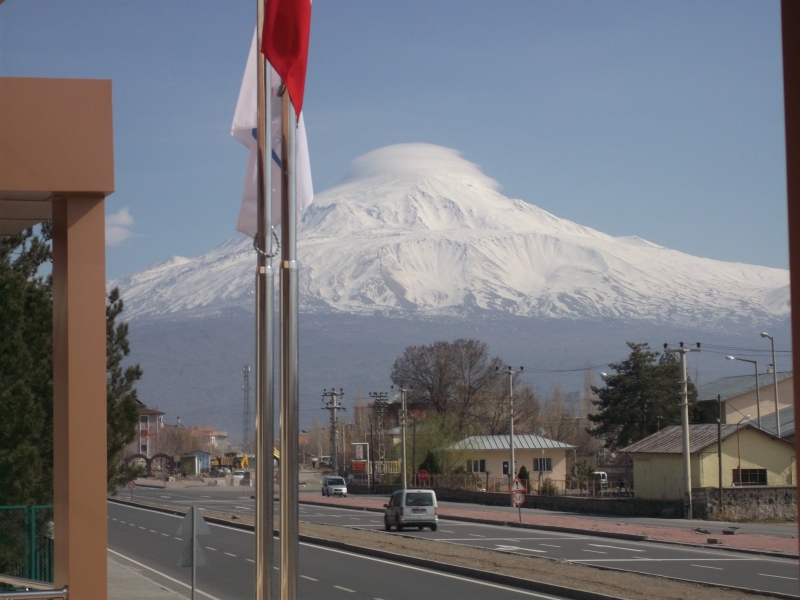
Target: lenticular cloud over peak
{"x":417,"y":160}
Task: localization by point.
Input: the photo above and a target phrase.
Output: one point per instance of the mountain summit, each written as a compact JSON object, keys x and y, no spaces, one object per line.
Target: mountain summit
{"x":414,"y":229}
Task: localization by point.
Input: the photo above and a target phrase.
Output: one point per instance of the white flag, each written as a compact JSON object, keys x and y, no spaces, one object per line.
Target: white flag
{"x":244,"y":128}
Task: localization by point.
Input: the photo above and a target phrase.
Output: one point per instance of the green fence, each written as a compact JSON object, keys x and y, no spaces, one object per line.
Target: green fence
{"x":26,"y":542}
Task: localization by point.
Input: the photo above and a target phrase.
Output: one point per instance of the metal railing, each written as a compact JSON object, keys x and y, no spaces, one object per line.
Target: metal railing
{"x":26,"y":542}
{"x":478,"y":482}
{"x":36,"y":594}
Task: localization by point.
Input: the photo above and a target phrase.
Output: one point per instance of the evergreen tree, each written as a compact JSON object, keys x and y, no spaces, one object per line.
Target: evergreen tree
{"x":525,"y":477}
{"x":26,"y":374}
{"x":121,"y":401}
{"x":640,"y":398}
{"x":26,"y":366}
{"x":431,"y":464}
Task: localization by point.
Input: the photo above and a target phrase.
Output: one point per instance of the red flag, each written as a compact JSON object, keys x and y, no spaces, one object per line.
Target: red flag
{"x":287,"y":24}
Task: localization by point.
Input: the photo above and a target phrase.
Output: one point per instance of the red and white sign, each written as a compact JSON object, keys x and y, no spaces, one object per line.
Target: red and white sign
{"x":423,"y":475}
{"x":518,"y":486}
{"x":359,"y":452}
{"x":131,"y":484}
{"x":359,"y":465}
{"x":518,"y":498}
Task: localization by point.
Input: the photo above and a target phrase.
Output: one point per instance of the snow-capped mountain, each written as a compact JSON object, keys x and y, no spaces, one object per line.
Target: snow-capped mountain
{"x":414,"y":229}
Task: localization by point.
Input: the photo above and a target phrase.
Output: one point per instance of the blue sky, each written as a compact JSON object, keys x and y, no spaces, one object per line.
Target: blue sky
{"x":662,"y":120}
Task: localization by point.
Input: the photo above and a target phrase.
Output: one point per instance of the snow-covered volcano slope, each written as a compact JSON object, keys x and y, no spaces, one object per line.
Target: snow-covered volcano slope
{"x":414,"y":229}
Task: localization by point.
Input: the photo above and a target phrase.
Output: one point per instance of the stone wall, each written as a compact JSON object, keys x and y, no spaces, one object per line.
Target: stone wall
{"x":631,"y":507}
{"x":749,"y":503}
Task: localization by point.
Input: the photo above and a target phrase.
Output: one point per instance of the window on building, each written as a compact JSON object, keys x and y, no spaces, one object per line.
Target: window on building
{"x":541,"y":465}
{"x":143,"y":420}
{"x":144,"y":449}
{"x":750,"y":477}
{"x":476,"y":466}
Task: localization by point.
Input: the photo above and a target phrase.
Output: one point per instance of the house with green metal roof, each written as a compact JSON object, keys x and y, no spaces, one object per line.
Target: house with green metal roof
{"x":739,"y":397}
{"x":490,"y":455}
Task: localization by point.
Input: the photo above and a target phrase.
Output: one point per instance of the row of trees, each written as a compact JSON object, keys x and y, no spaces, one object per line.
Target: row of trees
{"x":26,"y":374}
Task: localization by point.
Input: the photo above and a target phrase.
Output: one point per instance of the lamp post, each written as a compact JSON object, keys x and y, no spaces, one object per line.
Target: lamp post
{"x":775,"y":383}
{"x":738,"y":448}
{"x":510,"y":373}
{"x":403,"y":419}
{"x":758,"y":392}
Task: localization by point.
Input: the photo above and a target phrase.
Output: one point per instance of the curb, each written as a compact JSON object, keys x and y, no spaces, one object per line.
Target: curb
{"x":610,"y":534}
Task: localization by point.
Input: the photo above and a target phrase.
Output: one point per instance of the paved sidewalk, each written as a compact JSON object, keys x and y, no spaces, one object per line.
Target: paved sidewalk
{"x":126,"y":583}
{"x":687,"y":536}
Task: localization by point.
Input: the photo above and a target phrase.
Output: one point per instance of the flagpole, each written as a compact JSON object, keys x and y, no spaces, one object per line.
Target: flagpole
{"x":289,"y":387}
{"x":265,"y":376}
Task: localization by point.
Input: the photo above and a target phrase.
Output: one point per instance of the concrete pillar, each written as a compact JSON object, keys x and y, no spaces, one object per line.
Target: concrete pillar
{"x":79,"y":396}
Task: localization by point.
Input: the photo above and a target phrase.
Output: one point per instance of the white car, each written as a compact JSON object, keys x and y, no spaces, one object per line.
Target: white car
{"x":238,"y":475}
{"x":333,"y":485}
{"x":412,"y":508}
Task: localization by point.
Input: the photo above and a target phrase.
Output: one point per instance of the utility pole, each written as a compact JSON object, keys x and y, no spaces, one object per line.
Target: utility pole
{"x":510,"y":373}
{"x":687,"y":465}
{"x":333,"y":406}
{"x":775,"y":384}
{"x":719,"y":450}
{"x":379,"y":407}
{"x":403,"y":421}
{"x":246,"y":412}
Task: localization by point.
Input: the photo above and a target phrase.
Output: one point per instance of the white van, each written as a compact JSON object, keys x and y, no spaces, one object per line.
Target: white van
{"x":601,"y":477}
{"x":333,"y":485}
{"x":411,"y":508}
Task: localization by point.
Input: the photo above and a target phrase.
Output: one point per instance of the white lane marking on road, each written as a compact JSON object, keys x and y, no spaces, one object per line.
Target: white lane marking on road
{"x":595,"y":551}
{"x":153,"y":531}
{"x":432,"y":572}
{"x":123,"y":522}
{"x":307,"y":577}
{"x":550,"y":545}
{"x":502,"y":548}
{"x":344,"y":589}
{"x":243,"y":507}
{"x":179,"y":539}
{"x":140,"y":527}
{"x":643,"y":559}
{"x":615,"y":547}
{"x":165,"y":534}
{"x":210,"y":548}
{"x":276,"y":568}
{"x":229,"y":554}
{"x":373,"y":521}
{"x":442,"y":530}
{"x":138,"y":564}
{"x":708,"y":567}
{"x":476,"y":535}
{"x":250,"y":560}
{"x":777,"y":576}
{"x":356,"y":518}
{"x":205,"y":496}
{"x":113,"y":519}
{"x":166,"y":496}
{"x":131,"y":524}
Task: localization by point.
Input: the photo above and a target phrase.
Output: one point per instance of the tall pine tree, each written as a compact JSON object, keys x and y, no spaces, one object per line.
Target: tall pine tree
{"x":643,"y":396}
{"x":26,"y":375}
{"x":121,"y":402}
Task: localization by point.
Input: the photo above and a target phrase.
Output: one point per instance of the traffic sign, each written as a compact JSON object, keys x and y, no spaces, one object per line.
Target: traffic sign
{"x":131,"y":484}
{"x":422,"y":475}
{"x":518,"y":498}
{"x":518,"y":486}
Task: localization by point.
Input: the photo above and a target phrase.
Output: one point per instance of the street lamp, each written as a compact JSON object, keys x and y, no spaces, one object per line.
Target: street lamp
{"x":775,"y":383}
{"x":758,"y":391}
{"x":738,"y":447}
{"x":510,"y":374}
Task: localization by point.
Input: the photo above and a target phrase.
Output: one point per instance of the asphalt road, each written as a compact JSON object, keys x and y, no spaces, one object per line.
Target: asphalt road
{"x":692,"y":564}
{"x":146,"y":539}
{"x":787,"y":530}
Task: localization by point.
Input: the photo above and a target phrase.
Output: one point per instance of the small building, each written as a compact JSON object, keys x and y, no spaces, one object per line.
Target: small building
{"x":151,"y":424}
{"x":750,"y":457}
{"x":738,"y":396}
{"x":204,"y":460}
{"x":489,"y":454}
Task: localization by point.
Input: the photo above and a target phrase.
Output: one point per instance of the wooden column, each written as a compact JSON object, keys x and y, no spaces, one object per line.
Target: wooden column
{"x":790,"y":22}
{"x":79,"y":396}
